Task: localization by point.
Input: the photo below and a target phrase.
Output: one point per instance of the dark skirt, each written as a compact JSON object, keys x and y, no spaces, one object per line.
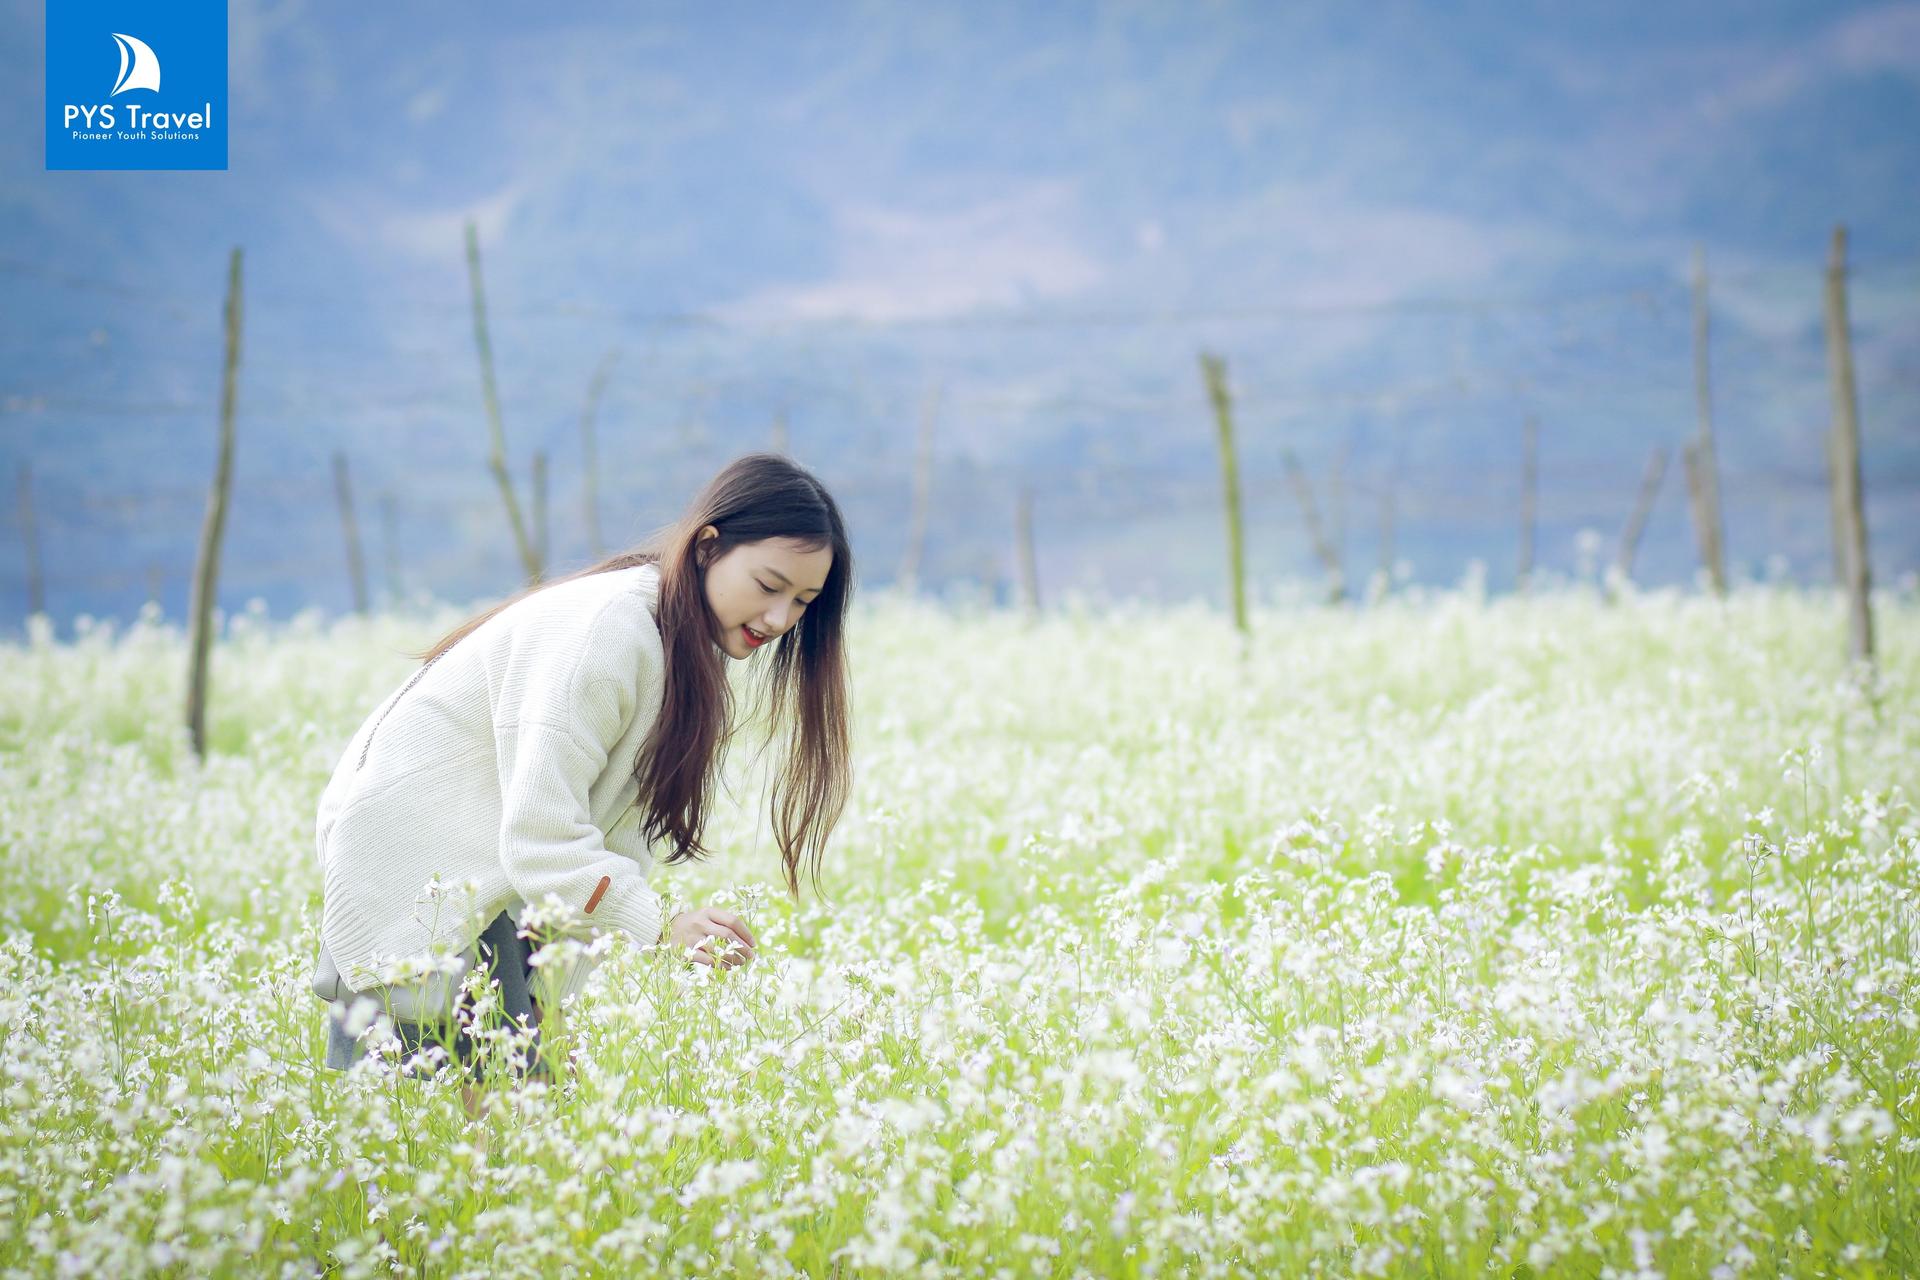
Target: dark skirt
{"x":504,"y":956}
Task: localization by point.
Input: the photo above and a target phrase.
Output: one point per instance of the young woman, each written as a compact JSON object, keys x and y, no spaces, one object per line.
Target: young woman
{"x":546,"y":743}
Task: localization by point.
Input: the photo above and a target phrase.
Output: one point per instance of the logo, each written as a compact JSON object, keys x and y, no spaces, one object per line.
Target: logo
{"x":139,"y":69}
{"x":100,"y":116}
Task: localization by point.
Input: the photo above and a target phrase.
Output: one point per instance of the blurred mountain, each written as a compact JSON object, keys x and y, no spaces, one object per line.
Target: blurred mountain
{"x":1406,"y":227}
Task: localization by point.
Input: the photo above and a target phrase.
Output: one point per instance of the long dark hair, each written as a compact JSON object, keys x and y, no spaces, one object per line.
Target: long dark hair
{"x":753,"y":498}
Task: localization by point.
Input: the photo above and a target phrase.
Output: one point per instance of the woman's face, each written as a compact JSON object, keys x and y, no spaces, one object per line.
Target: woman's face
{"x":765,"y":586}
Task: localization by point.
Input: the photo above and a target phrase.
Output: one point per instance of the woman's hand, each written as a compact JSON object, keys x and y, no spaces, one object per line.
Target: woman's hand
{"x":693,"y":929}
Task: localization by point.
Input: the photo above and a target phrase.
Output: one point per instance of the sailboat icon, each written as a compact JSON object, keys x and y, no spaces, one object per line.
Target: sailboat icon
{"x":139,"y":68}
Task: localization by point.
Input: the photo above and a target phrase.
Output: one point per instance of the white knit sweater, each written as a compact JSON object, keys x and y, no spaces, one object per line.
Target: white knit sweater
{"x":500,"y":772}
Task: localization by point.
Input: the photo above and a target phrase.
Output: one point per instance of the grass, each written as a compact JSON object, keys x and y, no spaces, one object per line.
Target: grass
{"x":1442,"y":936}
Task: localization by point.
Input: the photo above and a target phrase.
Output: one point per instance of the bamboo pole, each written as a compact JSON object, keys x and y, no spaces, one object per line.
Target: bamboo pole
{"x":1214,"y":370}
{"x":1836,"y":511}
{"x":922,"y":491}
{"x":1691,"y":472}
{"x":1023,"y":547}
{"x":30,"y":536}
{"x":206,"y":571}
{"x":1650,"y":479}
{"x":1529,"y":500}
{"x":1848,"y":493}
{"x":497,"y":453}
{"x":1703,"y":473}
{"x":390,"y":547}
{"x":350,"y":529}
{"x":540,"y":543}
{"x":589,"y":451}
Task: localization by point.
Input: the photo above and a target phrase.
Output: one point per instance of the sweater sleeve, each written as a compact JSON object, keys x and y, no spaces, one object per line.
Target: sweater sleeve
{"x":572,"y":708}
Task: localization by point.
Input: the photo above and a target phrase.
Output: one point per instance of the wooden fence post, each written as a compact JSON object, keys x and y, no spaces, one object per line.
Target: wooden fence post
{"x":1702,"y":468}
{"x":1848,"y":494}
{"x":497,"y":455}
{"x":206,"y":569}
{"x":1642,"y":508}
{"x":1214,"y":370}
{"x":1316,"y":532}
{"x":30,"y":535}
{"x":356,"y":566}
{"x":1835,"y":509}
{"x":589,"y":451}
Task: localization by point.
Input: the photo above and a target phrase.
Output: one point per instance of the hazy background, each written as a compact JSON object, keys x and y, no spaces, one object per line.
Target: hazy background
{"x":1406,"y":227}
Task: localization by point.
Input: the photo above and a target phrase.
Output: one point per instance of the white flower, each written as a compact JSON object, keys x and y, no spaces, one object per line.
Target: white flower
{"x":1122,"y":1212}
{"x":358,"y":1015}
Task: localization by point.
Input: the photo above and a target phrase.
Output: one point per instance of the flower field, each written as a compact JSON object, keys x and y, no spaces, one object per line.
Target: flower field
{"x":1436,"y":936}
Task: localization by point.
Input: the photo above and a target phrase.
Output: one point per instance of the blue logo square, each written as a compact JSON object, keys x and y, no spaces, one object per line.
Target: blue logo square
{"x":136,"y":85}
